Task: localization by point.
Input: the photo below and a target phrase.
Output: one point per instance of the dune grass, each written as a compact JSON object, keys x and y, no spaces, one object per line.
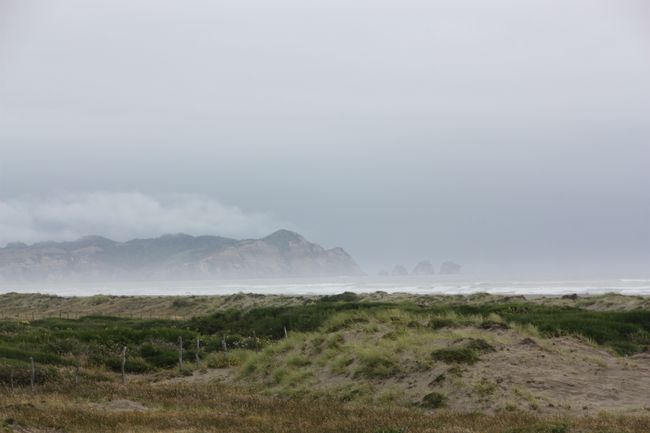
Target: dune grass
{"x":153,"y":344}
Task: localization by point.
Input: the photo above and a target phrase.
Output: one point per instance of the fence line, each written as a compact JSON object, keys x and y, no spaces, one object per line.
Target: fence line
{"x":66,"y":315}
{"x":253,"y":343}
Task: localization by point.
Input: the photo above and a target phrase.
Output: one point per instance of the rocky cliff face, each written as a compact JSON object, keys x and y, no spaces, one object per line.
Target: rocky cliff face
{"x":177,"y":257}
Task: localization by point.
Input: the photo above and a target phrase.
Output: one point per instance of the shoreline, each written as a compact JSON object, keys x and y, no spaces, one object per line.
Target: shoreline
{"x":432,"y":285}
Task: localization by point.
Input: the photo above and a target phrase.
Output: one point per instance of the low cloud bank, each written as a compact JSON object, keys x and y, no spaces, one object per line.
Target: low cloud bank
{"x":126,"y":215}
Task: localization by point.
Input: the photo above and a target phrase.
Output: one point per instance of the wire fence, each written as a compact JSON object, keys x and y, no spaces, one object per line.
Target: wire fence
{"x":72,"y":315}
{"x":29,"y":375}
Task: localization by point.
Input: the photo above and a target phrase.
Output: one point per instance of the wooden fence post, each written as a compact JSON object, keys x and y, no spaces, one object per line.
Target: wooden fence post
{"x":198,"y":347}
{"x":11,"y":378}
{"x":33,"y":376}
{"x":76,"y":369}
{"x":180,"y":354}
{"x":124,"y":365}
{"x":224,"y":344}
{"x":257,"y":344}
{"x":286,"y":334}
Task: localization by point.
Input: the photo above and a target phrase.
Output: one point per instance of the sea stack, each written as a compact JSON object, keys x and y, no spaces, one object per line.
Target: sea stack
{"x":450,"y":268}
{"x":424,"y":268}
{"x":399,"y":271}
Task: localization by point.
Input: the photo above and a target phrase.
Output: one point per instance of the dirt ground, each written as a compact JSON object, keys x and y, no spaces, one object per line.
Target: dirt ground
{"x":120,"y":405}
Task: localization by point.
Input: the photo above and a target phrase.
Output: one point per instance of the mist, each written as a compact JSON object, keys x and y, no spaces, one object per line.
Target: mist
{"x":124,"y":216}
{"x":512,"y":137}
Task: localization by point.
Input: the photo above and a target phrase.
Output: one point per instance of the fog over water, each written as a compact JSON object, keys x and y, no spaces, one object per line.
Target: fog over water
{"x":511,"y":137}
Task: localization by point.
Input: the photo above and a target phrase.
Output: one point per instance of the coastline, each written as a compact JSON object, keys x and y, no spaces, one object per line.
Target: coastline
{"x":432,"y":285}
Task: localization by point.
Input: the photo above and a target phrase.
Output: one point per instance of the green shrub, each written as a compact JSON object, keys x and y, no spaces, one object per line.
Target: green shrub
{"x":334,"y":341}
{"x":354,"y":391}
{"x":485,"y":388}
{"x":64,"y":346}
{"x":433,"y":400}
{"x":344,"y":321}
{"x":441,"y":322}
{"x":181,"y":303}
{"x":249,"y":367}
{"x":626,"y":332}
{"x":374,"y":365}
{"x":134,"y":364}
{"x":467,"y":353}
{"x":217,"y":360}
{"x":458,"y":355}
{"x":98,"y":299}
{"x":541,"y":428}
{"x":270,"y":321}
{"x":159,"y":356}
{"x":341,"y":297}
{"x":439,"y":378}
{"x":479,"y":345}
{"x":22,"y":373}
{"x":493,"y":324}
{"x":23,"y":354}
{"x":340,"y":364}
{"x":298,"y":360}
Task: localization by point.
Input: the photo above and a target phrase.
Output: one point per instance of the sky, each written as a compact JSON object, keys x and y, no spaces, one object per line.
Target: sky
{"x":504,"y":135}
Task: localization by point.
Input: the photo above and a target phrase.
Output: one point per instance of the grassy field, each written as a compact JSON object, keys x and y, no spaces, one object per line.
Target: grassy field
{"x":36,"y":306}
{"x":372,"y":363}
{"x":218,"y":408}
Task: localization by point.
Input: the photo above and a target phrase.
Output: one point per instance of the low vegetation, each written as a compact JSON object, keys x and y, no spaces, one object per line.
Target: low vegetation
{"x":139,"y":407}
{"x":433,"y":400}
{"x":410,"y":356}
{"x":153,"y":343}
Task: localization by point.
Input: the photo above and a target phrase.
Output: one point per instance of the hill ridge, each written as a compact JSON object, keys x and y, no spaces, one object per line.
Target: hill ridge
{"x":283,"y":253}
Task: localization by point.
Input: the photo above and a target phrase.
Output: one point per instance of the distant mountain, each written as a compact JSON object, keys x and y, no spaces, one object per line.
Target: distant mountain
{"x":173,"y":257}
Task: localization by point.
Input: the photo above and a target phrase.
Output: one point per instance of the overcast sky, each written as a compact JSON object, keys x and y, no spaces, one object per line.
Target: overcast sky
{"x":495,"y":133}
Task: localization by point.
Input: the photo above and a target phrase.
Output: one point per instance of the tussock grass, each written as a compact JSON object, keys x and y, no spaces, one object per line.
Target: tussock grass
{"x":375,"y":364}
{"x":459,"y":355}
{"x":434,"y":400}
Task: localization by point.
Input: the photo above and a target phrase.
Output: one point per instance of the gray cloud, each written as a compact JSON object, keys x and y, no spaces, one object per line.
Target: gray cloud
{"x":125,"y":215}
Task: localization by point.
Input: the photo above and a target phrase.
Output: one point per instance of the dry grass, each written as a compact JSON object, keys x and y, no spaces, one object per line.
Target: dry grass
{"x":37,"y":306}
{"x":26,"y":306}
{"x":220,"y":408}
